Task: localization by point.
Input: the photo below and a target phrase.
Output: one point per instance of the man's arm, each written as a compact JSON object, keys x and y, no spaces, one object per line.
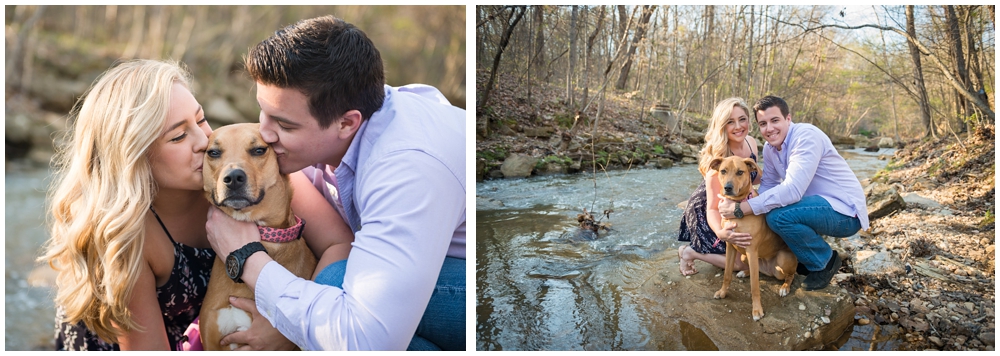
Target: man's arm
{"x":410,"y":205}
{"x":803,"y":160}
{"x":769,"y":178}
{"x":326,"y":233}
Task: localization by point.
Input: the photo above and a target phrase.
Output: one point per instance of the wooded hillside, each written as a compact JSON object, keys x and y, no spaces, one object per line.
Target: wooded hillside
{"x":897,"y":71}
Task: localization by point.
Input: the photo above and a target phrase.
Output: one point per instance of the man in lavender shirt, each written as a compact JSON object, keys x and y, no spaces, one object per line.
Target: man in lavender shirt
{"x":391,"y":161}
{"x":807,"y":190}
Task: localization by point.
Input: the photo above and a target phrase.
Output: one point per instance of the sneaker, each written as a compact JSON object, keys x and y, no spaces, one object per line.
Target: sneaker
{"x":821,"y":279}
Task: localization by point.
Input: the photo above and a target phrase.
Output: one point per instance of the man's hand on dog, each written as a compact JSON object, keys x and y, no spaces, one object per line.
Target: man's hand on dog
{"x":261,"y":336}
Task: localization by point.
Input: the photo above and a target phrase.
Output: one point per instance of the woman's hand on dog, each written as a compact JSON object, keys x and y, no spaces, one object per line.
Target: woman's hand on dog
{"x":728,"y":234}
{"x":261,"y":336}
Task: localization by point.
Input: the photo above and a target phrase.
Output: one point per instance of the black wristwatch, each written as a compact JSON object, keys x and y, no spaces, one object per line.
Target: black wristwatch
{"x":738,"y":213}
{"x":235,"y":260}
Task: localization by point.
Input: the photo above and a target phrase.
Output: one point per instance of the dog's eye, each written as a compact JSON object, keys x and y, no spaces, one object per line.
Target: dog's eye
{"x":739,"y":173}
{"x":214,"y":153}
{"x":258,"y":151}
{"x":723,"y":171}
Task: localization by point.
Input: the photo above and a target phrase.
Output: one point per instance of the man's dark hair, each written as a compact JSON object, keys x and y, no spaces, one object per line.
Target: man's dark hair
{"x":769,"y":101}
{"x":330,"y":61}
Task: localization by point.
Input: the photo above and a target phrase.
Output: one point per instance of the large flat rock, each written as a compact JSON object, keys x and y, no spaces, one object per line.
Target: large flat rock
{"x":691,"y":319}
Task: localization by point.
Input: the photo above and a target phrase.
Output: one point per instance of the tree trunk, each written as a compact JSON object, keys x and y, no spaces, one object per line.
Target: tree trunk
{"x":22,"y":54}
{"x":918,"y":74}
{"x":480,"y":34}
{"x":516,"y":15}
{"x":749,"y":55}
{"x":622,"y":21}
{"x":590,"y":48}
{"x":975,"y":67}
{"x":955,"y":35}
{"x":134,"y":42}
{"x":640,"y":32}
{"x":153,"y":47}
{"x":572,"y":56}
{"x":892,"y":91}
{"x":183,"y":38}
{"x":539,"y":40}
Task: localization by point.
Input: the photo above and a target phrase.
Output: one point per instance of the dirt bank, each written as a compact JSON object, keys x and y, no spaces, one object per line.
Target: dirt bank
{"x":937,"y":285}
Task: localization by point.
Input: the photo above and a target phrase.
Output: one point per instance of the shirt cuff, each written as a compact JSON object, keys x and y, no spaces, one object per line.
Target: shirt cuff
{"x":756,"y":208}
{"x":270,"y":283}
{"x":273,"y":284}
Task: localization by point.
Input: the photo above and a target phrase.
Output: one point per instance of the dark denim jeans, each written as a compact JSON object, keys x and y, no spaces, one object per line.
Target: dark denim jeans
{"x":443,"y":325}
{"x":801,"y":225}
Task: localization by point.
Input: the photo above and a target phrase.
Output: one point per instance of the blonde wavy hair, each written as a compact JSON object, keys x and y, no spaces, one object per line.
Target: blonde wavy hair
{"x":716,"y":139}
{"x":102,"y":189}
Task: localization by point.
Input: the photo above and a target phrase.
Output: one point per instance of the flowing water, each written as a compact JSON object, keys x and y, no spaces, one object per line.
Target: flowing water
{"x":541,"y":285}
{"x":28,"y":305}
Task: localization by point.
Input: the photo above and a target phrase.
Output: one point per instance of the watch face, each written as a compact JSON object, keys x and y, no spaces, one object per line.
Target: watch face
{"x":232,"y":267}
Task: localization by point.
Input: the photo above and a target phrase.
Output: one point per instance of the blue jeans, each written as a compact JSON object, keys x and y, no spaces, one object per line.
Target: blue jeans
{"x":801,"y":225}
{"x":443,"y":325}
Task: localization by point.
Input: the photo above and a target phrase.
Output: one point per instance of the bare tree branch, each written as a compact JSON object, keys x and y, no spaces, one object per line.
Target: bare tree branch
{"x":937,"y":61}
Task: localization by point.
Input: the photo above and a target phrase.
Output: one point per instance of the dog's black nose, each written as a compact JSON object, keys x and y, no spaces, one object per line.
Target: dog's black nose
{"x":728,"y":188}
{"x":235,"y":179}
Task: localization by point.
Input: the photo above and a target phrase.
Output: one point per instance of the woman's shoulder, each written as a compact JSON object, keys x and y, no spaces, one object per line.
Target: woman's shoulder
{"x":755,"y":147}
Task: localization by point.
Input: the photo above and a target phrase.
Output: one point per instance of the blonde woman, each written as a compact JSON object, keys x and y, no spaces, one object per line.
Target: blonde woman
{"x":702,"y":223}
{"x":127,"y":213}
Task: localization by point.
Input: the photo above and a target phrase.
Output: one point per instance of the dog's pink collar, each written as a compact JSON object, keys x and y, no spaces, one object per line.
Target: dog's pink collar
{"x":271,"y":234}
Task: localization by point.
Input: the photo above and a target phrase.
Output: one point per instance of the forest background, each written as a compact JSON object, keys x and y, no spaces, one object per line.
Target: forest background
{"x":53,"y":54}
{"x":903,"y":72}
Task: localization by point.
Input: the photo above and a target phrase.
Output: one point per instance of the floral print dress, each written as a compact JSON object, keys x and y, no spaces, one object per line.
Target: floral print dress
{"x":180,"y":300}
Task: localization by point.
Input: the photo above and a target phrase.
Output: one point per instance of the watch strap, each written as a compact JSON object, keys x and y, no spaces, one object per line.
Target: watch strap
{"x":241,"y":256}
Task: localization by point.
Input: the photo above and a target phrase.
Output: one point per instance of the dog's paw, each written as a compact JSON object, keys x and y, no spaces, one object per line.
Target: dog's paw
{"x":758,"y":314}
{"x":783,"y":291}
{"x":721,"y":294}
{"x":742,"y":274}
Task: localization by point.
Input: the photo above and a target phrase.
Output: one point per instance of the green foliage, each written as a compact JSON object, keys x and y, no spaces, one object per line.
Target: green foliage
{"x":935,"y":167}
{"x":639,"y":155}
{"x":865,"y":133}
{"x":493,"y":155}
{"x":553,"y":159}
{"x":883,"y":174}
{"x":988,"y":219}
{"x":603,"y":158}
{"x":564,"y":120}
{"x":488,"y":111}
{"x":658,"y":149}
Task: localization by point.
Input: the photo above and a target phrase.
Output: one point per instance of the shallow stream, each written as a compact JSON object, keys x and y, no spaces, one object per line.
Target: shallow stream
{"x":541,"y":285}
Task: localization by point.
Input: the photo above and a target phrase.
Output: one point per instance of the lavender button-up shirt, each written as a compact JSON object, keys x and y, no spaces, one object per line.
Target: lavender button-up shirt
{"x":401,"y":188}
{"x":808,"y":164}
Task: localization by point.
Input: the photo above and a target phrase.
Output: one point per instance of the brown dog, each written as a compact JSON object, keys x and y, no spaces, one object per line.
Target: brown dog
{"x":766,"y":246}
{"x":242,"y":179}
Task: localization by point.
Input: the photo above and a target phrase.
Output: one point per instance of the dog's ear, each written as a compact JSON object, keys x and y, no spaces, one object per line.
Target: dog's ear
{"x":752,"y":165}
{"x":714,"y":164}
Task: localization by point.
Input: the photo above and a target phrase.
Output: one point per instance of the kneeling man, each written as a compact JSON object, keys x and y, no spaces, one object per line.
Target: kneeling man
{"x":807,"y":190}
